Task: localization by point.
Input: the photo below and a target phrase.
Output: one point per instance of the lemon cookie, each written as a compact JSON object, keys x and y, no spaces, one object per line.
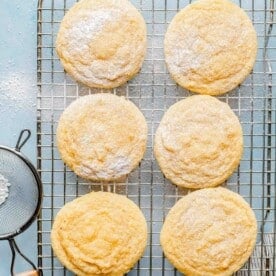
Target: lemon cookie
{"x":210,"y":46}
{"x":199,"y":142}
{"x":102,"y":43}
{"x":99,"y":234}
{"x":209,"y":232}
{"x":102,"y":137}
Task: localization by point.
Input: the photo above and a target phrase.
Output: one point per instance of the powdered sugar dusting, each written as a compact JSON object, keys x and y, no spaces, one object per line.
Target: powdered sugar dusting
{"x":112,"y":169}
{"x":181,"y":57}
{"x":120,"y":166}
{"x":82,"y":32}
{"x":4,"y":189}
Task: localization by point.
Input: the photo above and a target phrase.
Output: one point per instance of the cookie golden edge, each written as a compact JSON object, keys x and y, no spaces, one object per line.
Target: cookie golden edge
{"x":241,"y":262}
{"x":60,"y":252}
{"x":159,"y":156}
{"x":218,"y":91}
{"x":116,"y":83}
{"x":61,"y":145}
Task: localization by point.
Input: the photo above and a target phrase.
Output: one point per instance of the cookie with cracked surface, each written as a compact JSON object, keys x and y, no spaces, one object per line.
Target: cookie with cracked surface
{"x":102,"y":137}
{"x":209,"y":232}
{"x":199,"y":142}
{"x":102,"y":43}
{"x":210,"y":46}
{"x":99,"y":234}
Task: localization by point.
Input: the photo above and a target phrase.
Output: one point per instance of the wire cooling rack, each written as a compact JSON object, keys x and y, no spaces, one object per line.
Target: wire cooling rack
{"x":153,"y":91}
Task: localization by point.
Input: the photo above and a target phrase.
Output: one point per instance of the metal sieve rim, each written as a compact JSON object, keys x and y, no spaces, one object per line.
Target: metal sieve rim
{"x":28,"y":223}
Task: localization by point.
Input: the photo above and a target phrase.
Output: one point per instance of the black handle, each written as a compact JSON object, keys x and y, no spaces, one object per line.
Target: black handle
{"x":22,"y":141}
{"x":15,"y":249}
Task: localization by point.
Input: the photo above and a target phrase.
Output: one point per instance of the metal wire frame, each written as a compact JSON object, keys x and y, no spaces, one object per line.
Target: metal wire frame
{"x":154,"y":91}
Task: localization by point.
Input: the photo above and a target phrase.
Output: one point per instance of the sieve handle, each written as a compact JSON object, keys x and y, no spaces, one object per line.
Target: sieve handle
{"x":21,"y":140}
{"x":15,"y":249}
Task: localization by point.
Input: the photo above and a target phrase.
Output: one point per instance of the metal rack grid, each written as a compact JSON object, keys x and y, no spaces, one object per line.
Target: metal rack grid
{"x":153,"y":91}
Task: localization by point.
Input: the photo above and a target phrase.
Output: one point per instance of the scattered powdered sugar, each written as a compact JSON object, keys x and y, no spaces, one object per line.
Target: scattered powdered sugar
{"x":4,"y":189}
{"x":81,"y":33}
{"x":15,"y":92}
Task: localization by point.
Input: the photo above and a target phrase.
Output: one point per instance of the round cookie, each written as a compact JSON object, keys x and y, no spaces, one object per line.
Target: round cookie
{"x":99,"y":234}
{"x":210,"y":46}
{"x":209,"y":232}
{"x":102,"y":43}
{"x":199,"y":142}
{"x":102,"y":137}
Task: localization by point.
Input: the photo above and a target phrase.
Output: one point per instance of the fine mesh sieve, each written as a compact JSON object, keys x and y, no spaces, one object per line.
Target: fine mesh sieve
{"x":25,"y":192}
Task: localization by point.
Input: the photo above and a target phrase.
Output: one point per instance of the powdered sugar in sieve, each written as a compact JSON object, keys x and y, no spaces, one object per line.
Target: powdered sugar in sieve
{"x":4,"y":189}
